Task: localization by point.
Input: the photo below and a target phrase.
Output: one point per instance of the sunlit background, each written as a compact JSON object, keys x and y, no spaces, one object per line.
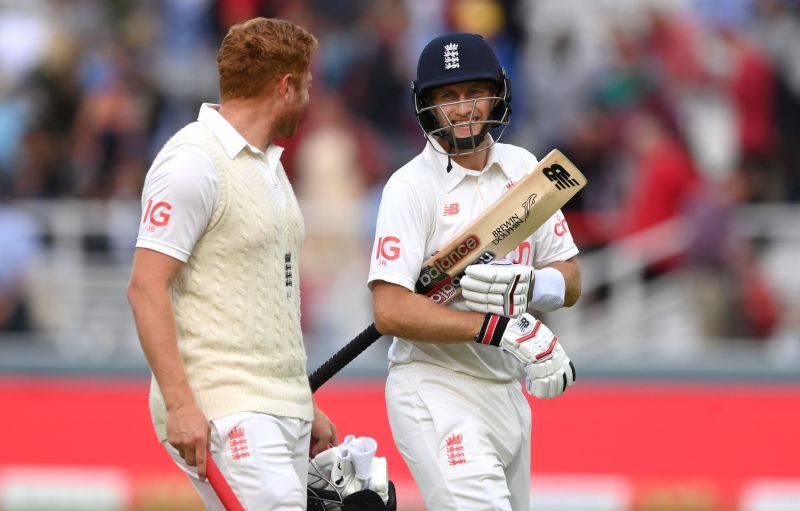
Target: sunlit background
{"x":684,"y":115}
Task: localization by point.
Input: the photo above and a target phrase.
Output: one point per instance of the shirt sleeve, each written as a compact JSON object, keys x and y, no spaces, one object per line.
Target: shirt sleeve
{"x":179,"y":197}
{"x":400,"y":236}
{"x":553,"y":241}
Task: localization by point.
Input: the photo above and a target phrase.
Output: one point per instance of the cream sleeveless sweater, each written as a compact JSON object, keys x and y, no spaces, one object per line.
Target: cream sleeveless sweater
{"x":237,"y":299}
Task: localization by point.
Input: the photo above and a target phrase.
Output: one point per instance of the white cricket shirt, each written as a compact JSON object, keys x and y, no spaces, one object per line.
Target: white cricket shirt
{"x":422,"y":208}
{"x":180,"y":190}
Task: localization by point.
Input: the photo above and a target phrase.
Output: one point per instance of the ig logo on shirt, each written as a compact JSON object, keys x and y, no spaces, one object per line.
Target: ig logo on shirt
{"x":157,"y":215}
{"x":388,"y":249}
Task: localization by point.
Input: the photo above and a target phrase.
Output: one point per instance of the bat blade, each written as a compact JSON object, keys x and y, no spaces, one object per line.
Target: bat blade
{"x":503,"y":226}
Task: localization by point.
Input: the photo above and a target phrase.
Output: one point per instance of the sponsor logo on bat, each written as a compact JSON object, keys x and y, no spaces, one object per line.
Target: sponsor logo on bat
{"x":446,"y":289}
{"x":446,"y":261}
{"x":437,"y":271}
{"x":511,"y":224}
{"x":444,"y":292}
{"x":560,"y":176}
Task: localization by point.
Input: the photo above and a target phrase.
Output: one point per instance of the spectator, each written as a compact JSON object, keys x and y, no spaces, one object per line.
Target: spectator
{"x":20,"y":242}
{"x":662,"y":182}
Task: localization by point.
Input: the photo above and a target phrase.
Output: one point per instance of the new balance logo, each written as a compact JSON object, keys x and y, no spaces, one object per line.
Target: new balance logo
{"x":451,"y":209}
{"x":559,"y":175}
{"x":451,"y":56}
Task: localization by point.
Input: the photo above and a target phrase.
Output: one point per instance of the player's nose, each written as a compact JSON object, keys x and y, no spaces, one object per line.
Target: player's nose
{"x":465,"y":108}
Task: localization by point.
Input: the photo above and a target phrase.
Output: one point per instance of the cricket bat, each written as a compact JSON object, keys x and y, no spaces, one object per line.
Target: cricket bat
{"x":495,"y":233}
{"x":505,"y":224}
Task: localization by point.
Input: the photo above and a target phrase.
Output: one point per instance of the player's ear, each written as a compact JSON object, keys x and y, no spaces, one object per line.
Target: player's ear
{"x":285,"y":86}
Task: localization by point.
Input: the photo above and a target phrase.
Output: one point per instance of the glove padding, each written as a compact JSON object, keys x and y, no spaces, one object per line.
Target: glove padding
{"x":548,"y":370}
{"x":551,"y":377}
{"x":500,"y":287}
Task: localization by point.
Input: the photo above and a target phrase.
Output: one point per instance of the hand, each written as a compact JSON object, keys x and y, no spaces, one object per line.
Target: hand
{"x":500,"y":287}
{"x":552,"y":377}
{"x":323,"y":433}
{"x":188,"y":431}
{"x":548,"y":369}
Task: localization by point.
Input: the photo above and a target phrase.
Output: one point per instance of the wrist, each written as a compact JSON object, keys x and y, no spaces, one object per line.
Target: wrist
{"x":492,"y":329}
{"x":177,"y":396}
{"x":548,"y":291}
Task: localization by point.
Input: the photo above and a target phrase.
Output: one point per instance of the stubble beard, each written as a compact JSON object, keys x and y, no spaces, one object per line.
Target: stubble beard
{"x":286,"y":125}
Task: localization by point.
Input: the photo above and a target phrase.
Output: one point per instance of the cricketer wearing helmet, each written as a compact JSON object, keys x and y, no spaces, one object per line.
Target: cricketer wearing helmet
{"x":456,"y":407}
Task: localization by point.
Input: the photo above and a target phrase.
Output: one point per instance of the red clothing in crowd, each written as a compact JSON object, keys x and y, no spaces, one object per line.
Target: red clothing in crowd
{"x":664,"y":179}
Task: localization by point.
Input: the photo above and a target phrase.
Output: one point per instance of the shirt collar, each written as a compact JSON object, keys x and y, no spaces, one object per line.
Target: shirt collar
{"x":273,"y":156}
{"x":232,"y":141}
{"x":457,"y":173}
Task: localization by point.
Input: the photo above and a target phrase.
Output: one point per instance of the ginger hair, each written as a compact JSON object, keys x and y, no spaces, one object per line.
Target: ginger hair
{"x":257,"y":52}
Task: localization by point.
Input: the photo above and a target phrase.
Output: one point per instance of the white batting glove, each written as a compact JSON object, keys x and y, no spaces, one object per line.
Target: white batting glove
{"x":500,"y":287}
{"x":548,"y":369}
{"x":551,"y":377}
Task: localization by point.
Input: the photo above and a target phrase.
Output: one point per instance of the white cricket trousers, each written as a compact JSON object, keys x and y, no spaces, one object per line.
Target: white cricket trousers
{"x":263,"y":458}
{"x":465,"y":440}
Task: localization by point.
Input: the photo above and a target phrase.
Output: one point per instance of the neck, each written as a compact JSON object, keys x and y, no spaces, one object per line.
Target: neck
{"x":252,"y":118}
{"x":472,"y":161}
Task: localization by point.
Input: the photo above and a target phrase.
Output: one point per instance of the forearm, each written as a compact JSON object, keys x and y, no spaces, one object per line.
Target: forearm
{"x":155,"y":325}
{"x":411,"y":316}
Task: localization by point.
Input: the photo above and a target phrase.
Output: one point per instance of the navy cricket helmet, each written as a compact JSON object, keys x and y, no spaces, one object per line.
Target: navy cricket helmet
{"x":457,"y":58}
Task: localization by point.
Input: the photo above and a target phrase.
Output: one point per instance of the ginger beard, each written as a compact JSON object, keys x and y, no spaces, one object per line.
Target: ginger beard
{"x":286,"y":122}
{"x":285,"y":125}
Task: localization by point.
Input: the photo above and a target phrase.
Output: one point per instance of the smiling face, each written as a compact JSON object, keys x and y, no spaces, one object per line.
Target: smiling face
{"x":465,"y":107}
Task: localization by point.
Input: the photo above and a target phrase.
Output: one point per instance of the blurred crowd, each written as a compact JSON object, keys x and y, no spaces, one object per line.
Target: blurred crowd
{"x":671,"y":108}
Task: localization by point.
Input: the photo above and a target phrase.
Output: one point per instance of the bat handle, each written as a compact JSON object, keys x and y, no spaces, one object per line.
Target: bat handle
{"x":343,"y":357}
{"x":221,"y":486}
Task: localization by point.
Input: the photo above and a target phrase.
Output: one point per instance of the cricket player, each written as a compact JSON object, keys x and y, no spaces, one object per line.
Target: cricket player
{"x":454,"y":399}
{"x":215,"y":286}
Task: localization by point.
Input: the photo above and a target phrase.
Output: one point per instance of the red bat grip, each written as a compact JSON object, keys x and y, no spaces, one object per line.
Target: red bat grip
{"x":220,"y":485}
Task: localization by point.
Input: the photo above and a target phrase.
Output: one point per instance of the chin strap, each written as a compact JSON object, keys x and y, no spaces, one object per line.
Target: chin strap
{"x":449,"y":163}
{"x":469,"y":142}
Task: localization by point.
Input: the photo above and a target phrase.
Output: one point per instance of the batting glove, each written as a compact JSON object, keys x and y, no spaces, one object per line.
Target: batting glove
{"x":499,"y":287}
{"x":548,"y":370}
{"x":552,"y":377}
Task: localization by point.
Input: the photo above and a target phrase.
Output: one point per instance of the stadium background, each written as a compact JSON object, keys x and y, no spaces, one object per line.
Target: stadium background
{"x":684,"y":115}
